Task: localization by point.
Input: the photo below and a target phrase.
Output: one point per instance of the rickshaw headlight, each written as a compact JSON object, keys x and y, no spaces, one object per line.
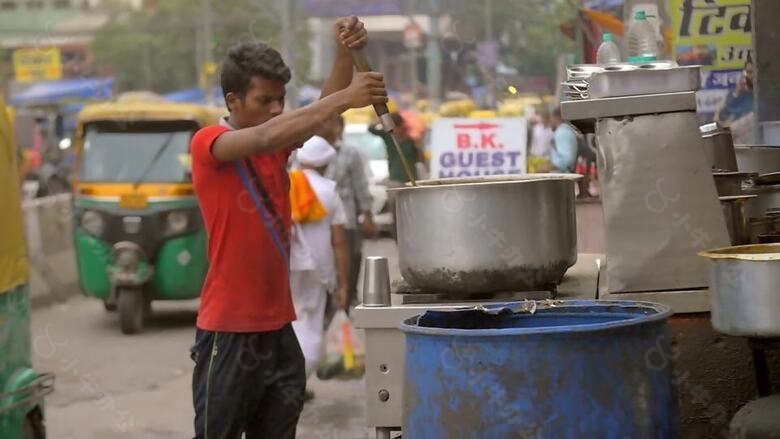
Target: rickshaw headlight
{"x":176,"y":222}
{"x":92,"y":222}
{"x":128,"y":259}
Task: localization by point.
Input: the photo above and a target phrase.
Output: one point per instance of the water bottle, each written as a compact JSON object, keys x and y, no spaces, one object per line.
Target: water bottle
{"x":609,"y":52}
{"x":642,"y":42}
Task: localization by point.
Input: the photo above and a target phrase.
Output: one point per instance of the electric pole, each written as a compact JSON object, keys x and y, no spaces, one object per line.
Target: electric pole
{"x":434,"y":56}
{"x":208,"y":68}
{"x":286,"y":8}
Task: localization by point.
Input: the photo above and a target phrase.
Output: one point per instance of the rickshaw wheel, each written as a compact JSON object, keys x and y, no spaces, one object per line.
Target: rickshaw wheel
{"x":110,"y":307}
{"x":131,"y":310}
{"x":33,"y":426}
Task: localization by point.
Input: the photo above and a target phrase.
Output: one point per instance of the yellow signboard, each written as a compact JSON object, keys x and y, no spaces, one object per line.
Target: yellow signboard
{"x":716,"y":34}
{"x":37,"y":64}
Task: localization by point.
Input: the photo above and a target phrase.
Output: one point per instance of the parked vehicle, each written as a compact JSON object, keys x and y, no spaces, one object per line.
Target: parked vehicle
{"x":22,"y":389}
{"x":373,"y":149}
{"x":139,"y":233}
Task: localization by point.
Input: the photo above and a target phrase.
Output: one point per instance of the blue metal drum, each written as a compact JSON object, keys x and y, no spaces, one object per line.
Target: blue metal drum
{"x":547,"y":369}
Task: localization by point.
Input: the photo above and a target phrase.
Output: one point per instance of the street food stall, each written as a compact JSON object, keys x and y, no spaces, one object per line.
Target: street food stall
{"x":486,"y":260}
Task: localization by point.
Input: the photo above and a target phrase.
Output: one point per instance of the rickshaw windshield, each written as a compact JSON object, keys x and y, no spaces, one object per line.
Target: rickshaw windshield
{"x":154,"y":152}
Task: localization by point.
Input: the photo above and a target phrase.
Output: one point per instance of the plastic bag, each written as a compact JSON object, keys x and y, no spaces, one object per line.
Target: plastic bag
{"x":344,"y":349}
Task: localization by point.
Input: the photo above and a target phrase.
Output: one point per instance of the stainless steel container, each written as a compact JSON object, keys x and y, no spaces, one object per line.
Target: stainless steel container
{"x":737,"y":219}
{"x":767,"y":200}
{"x":731,"y":183}
{"x":744,"y":295}
{"x":646,"y":79}
{"x":763,"y":226}
{"x":770,"y":131}
{"x":758,"y":158}
{"x":719,"y":146}
{"x":491,"y":234}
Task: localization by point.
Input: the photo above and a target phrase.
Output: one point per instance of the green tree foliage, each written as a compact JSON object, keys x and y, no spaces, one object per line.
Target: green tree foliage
{"x":528,"y":31}
{"x":158,"y":49}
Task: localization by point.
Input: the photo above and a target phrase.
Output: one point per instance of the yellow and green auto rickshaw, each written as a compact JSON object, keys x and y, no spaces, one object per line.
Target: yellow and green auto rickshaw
{"x":139,"y":233}
{"x":22,"y":389}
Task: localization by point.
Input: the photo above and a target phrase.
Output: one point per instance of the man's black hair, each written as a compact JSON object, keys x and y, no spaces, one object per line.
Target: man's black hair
{"x":247,"y":60}
{"x":557,"y":112}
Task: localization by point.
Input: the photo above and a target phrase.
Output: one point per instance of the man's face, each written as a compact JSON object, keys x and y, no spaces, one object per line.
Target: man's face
{"x":749,"y":75}
{"x":263,"y":101}
{"x":555,"y":121}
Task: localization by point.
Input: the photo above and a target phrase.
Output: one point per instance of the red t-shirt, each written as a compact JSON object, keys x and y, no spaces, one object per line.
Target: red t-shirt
{"x":247,"y":288}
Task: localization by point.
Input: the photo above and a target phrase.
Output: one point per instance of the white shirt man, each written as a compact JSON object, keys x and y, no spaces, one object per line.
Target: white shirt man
{"x":319,"y":256}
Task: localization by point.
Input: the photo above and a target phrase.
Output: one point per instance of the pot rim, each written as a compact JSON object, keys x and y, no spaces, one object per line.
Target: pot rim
{"x":750,"y":252}
{"x":651,"y":312}
{"x":485,"y":180}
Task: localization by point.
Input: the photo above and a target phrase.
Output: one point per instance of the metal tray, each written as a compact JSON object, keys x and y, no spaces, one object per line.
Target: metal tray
{"x":650,"y":78}
{"x":768,"y":179}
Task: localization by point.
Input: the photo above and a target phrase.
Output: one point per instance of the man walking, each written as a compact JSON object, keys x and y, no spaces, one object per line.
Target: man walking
{"x":249,"y":372}
{"x":348,"y":171}
{"x":319,"y":261}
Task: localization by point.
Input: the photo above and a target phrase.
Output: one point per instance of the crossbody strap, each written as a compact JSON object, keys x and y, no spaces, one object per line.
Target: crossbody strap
{"x":271,"y":219}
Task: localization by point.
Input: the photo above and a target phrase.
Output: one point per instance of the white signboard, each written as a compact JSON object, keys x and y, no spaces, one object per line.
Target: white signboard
{"x":475,"y":147}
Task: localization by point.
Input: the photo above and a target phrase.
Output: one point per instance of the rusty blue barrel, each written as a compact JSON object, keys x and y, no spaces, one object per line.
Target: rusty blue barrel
{"x":546,"y":369}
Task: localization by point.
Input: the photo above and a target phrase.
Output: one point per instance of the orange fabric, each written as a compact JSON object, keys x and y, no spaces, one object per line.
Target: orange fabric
{"x":306,"y":207}
{"x":614,"y":25}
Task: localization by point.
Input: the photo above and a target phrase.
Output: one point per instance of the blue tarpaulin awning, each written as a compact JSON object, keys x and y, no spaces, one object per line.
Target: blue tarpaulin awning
{"x":601,"y":5}
{"x":195,"y":96}
{"x":54,"y":92}
{"x":340,"y":8}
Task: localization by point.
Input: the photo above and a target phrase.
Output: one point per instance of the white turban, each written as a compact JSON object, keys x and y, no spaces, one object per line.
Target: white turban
{"x":316,"y":153}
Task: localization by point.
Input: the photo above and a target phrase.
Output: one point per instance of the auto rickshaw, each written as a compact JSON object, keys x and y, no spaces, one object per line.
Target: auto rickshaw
{"x":139,"y":233}
{"x":22,"y":389}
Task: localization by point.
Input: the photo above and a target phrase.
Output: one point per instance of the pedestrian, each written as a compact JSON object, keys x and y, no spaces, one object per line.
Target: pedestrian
{"x":738,"y":109}
{"x":348,"y":170}
{"x":542,"y":137}
{"x":249,"y":372}
{"x":541,"y":143}
{"x":397,"y":175}
{"x":319,"y":257}
{"x":563,"y":155}
{"x":569,"y":146}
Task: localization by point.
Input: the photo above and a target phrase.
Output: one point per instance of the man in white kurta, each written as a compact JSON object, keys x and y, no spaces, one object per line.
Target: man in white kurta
{"x":319,"y":256}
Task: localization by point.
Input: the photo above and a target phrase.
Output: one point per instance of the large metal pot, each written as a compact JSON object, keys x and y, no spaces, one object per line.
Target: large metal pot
{"x":744,"y":298}
{"x":490,"y":234}
{"x":719,"y":146}
{"x":758,"y":158}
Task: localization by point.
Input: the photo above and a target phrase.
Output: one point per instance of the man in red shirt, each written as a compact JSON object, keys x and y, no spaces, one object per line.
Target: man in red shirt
{"x":249,"y":374}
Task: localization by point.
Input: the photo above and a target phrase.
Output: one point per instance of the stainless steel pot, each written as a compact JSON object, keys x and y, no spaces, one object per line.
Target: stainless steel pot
{"x":758,"y":158}
{"x":491,"y":234}
{"x":719,"y":146}
{"x":744,"y":297}
{"x":731,"y":183}
{"x":737,"y":220}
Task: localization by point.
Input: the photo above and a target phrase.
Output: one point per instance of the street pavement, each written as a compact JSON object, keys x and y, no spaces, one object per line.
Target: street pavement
{"x":111,"y":386}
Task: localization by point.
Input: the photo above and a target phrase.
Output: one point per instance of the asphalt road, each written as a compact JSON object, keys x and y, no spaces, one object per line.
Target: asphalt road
{"x":109,"y":385}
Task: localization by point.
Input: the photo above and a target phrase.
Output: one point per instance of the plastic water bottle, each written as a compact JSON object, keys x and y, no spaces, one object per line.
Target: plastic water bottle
{"x":609,"y":52}
{"x":642,"y":42}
